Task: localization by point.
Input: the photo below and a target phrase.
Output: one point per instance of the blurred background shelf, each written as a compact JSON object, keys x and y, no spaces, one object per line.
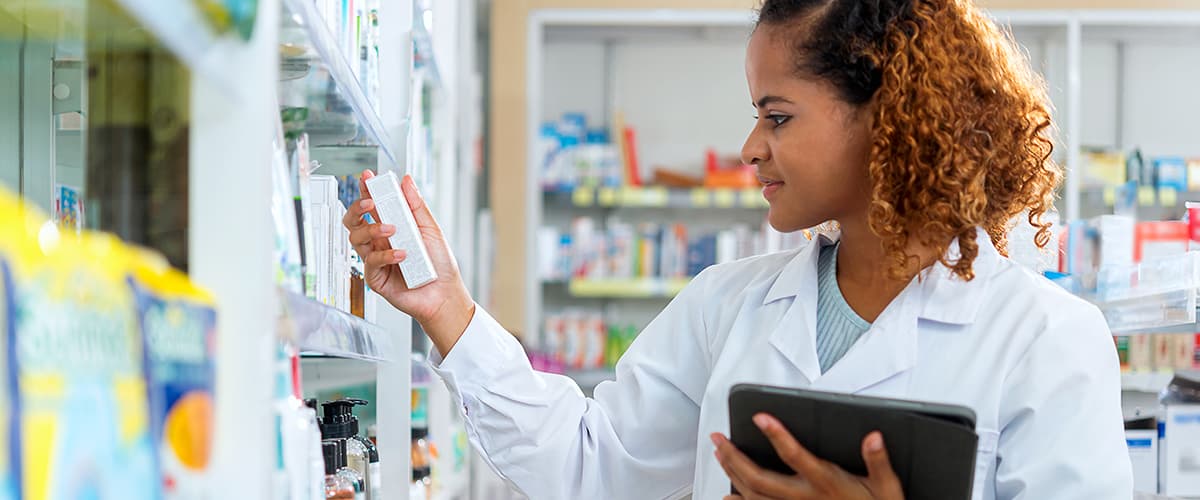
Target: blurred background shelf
{"x":1149,"y":381}
{"x":634,"y":288}
{"x":195,"y":38}
{"x":589,"y":379}
{"x":655,"y":197}
{"x":1157,"y":295}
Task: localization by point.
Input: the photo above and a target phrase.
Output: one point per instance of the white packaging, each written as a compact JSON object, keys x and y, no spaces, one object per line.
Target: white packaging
{"x":1116,"y":240}
{"x":1180,"y":444}
{"x":343,"y":260}
{"x":1143,"y":454}
{"x":548,"y":240}
{"x":393,"y":209}
{"x":322,"y":260}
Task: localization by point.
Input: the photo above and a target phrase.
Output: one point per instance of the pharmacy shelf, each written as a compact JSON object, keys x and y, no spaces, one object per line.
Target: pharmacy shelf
{"x":656,"y":197}
{"x":424,"y":57}
{"x":1154,"y":296}
{"x":181,"y":27}
{"x":1150,"y":381}
{"x":1181,"y":329}
{"x":342,"y":160}
{"x":589,"y":379}
{"x":322,"y":46}
{"x":321,"y":330}
{"x":635,"y":288}
{"x":1147,"y":196}
{"x":324,"y":373}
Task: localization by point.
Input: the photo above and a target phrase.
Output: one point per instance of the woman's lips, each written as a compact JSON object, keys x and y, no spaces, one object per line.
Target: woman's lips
{"x":770,"y":186}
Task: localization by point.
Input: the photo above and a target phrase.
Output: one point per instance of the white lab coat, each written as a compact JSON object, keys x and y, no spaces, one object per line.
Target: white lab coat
{"x":1036,"y":364}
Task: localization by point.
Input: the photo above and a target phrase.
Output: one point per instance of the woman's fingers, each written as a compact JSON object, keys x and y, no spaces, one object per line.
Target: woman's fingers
{"x":750,"y":479}
{"x":366,"y":234}
{"x":354,"y":213}
{"x":793,"y":454}
{"x":383,"y":258}
{"x":881,"y":478}
{"x":420,"y":209}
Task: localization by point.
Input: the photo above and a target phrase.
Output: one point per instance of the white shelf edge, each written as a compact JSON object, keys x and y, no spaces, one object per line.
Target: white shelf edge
{"x":339,"y":69}
{"x":1149,"y":382}
{"x":180,"y":27}
{"x":326,"y":330}
{"x":323,"y":374}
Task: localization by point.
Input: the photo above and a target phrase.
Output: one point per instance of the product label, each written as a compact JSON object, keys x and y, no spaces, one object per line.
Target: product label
{"x":79,"y":363}
{"x":420,"y":406}
{"x":179,"y":335}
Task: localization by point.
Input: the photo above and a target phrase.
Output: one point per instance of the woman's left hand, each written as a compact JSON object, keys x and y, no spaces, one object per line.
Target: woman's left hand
{"x":814,"y":477}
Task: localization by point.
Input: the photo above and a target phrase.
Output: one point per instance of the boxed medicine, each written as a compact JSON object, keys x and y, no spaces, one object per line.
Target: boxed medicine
{"x":1179,"y":440}
{"x":1141,"y":436}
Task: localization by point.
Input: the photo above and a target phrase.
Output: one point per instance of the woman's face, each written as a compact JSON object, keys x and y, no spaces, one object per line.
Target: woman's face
{"x":810,"y":147}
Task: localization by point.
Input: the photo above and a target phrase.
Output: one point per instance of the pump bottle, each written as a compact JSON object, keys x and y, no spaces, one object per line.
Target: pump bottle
{"x":339,"y":422}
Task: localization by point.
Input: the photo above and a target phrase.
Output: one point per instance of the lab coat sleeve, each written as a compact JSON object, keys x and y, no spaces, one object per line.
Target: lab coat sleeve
{"x":1063,"y":434}
{"x":636,"y":439}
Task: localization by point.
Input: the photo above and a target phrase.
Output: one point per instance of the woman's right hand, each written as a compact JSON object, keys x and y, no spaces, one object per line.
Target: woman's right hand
{"x":444,"y":308}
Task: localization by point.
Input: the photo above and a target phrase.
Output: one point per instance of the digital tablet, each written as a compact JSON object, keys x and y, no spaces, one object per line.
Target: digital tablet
{"x":931,"y":446}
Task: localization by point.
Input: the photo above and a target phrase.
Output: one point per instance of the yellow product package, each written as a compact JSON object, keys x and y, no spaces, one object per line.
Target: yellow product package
{"x":178,"y":324}
{"x":12,"y":223}
{"x":78,"y":360}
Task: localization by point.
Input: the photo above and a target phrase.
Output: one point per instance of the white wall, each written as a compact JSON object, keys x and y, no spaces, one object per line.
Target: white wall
{"x":681,"y":96}
{"x":1162,"y":99}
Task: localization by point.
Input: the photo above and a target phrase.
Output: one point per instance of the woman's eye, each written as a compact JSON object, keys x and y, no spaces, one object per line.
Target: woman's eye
{"x":778,"y":119}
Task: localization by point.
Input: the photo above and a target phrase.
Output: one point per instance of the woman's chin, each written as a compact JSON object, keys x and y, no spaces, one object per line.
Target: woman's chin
{"x":788,"y":223}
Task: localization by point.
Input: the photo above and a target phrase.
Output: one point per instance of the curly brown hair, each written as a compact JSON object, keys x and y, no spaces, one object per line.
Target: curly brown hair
{"x":961,"y":129}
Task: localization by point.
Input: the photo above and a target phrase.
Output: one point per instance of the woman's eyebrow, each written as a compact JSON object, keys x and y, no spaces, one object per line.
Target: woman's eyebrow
{"x":770,"y":99}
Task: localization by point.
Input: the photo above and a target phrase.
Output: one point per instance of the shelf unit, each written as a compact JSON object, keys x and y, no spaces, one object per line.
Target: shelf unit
{"x":233,"y":94}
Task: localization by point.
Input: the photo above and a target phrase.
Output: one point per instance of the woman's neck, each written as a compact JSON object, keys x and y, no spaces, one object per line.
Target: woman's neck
{"x":863,"y":270}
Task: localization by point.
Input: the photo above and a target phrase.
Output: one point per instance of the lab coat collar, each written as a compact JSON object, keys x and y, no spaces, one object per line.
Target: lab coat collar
{"x":890,"y":346}
{"x":946,"y":297}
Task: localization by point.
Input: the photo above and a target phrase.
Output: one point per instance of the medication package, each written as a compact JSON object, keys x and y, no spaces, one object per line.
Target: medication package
{"x":178,"y":324}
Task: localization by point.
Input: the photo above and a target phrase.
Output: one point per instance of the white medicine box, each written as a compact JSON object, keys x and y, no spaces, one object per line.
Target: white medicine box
{"x":1180,"y":450}
{"x":1143,"y":455}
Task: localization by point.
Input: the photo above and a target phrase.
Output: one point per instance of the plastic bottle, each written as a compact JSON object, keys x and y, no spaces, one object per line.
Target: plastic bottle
{"x":336,"y":486}
{"x":312,"y":430}
{"x":422,"y":460}
{"x":339,"y":422}
{"x":351,"y":475}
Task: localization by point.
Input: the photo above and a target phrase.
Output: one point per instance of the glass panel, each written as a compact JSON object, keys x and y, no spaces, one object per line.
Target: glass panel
{"x":95,"y":121}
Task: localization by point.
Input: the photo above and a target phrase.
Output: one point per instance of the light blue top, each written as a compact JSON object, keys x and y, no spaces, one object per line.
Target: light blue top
{"x":838,"y":326}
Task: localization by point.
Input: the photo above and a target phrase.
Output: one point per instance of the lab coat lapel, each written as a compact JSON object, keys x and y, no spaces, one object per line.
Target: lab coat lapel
{"x":890,"y":347}
{"x":795,"y":335}
{"x":886,"y":350}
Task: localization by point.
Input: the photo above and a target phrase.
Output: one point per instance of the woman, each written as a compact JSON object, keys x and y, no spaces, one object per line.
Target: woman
{"x":917,"y":126}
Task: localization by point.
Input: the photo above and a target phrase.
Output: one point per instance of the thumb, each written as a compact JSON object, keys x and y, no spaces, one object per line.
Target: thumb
{"x":416,"y":202}
{"x":881,"y":479}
